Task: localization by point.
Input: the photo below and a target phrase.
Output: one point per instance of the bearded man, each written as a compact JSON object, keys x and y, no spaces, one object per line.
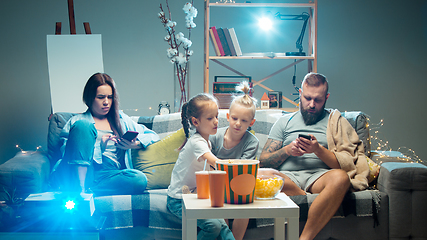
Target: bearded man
{"x":316,"y":163}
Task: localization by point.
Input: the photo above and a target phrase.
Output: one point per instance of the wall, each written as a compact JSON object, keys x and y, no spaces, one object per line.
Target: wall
{"x":371,"y":51}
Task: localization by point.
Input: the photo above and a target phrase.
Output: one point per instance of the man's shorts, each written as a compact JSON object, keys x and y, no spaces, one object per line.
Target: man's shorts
{"x":305,"y":178}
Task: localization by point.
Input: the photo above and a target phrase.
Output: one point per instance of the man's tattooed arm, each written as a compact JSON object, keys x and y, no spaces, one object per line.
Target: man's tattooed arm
{"x":273,"y":154}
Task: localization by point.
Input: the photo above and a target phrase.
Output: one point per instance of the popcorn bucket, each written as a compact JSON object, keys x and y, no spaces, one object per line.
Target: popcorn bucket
{"x":240,"y":179}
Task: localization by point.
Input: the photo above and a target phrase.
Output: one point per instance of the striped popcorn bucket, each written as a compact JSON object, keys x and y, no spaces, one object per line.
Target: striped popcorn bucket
{"x":240,"y":179}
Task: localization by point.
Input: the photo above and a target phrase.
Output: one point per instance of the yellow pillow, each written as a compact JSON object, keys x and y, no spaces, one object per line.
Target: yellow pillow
{"x":374,"y":170}
{"x":157,"y":161}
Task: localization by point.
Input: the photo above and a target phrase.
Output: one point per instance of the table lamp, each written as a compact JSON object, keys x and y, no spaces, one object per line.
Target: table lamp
{"x":266,"y":24}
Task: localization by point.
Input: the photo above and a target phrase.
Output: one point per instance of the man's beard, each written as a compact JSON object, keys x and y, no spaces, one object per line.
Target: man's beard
{"x":312,"y":118}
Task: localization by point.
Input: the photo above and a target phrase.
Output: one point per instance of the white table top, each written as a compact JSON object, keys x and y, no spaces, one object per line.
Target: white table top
{"x":282,"y":206}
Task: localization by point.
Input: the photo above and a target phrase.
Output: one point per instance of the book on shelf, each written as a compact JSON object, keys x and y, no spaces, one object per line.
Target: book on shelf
{"x":223,"y":40}
{"x":218,"y":41}
{"x":235,"y":42}
{"x":229,"y":42}
{"x":215,"y":45}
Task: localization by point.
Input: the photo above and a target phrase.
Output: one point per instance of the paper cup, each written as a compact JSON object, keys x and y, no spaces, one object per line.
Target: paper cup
{"x":202,"y":183}
{"x":216,"y":187}
{"x":240,"y":179}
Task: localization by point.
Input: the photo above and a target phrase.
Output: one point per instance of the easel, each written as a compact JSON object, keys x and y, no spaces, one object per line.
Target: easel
{"x":72,"y":21}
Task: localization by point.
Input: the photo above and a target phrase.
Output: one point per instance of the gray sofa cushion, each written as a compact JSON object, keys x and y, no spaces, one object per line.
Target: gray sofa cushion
{"x":406,"y":185}
{"x":26,"y":173}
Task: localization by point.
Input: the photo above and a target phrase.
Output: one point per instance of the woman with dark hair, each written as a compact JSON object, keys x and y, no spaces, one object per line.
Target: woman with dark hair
{"x":95,"y":156}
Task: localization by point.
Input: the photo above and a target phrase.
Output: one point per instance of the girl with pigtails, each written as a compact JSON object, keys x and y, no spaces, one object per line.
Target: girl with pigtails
{"x":201,"y":111}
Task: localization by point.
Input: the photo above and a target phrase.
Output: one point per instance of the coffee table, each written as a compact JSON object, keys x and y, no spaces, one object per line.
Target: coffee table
{"x":281,"y":209}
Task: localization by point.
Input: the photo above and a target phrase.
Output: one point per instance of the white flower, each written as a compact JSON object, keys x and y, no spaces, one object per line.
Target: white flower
{"x":192,"y":12}
{"x":170,"y":24}
{"x":186,"y":42}
{"x":167,"y":37}
{"x":191,"y":24}
{"x":187,"y":7}
{"x":171,"y":52}
{"x":179,"y":37}
{"x":161,"y":14}
{"x":189,"y":52}
{"x":181,"y":59}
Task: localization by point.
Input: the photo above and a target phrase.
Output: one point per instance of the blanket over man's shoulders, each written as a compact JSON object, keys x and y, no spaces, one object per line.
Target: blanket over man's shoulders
{"x":344,"y":142}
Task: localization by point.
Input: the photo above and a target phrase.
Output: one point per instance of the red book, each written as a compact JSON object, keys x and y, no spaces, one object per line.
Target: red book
{"x":215,"y":45}
{"x":218,"y":41}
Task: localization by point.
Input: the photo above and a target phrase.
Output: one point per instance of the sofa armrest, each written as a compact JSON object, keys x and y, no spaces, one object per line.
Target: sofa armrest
{"x":25,"y":174}
{"x":406,"y":186}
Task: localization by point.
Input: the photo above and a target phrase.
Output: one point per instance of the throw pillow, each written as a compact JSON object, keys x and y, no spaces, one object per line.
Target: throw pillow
{"x":374,"y":170}
{"x":157,"y":160}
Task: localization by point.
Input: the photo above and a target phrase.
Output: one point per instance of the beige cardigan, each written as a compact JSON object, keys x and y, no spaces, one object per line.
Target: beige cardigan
{"x":348,"y":148}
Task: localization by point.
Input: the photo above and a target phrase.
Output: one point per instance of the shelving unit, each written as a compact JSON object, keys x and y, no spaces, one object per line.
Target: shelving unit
{"x":311,"y":50}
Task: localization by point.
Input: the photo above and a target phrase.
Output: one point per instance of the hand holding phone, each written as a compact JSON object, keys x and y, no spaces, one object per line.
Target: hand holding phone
{"x":130,"y":135}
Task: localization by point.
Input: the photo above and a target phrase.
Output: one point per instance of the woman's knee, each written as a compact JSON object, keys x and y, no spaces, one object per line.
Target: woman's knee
{"x":81,"y":139}
{"x":83,"y":127}
{"x":137,"y":179}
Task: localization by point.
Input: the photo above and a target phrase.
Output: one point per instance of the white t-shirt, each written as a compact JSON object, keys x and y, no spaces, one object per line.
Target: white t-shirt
{"x":183,"y":172}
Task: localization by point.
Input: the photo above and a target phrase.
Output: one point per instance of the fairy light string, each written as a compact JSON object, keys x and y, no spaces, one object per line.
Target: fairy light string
{"x":382,"y":147}
{"x":28,"y":152}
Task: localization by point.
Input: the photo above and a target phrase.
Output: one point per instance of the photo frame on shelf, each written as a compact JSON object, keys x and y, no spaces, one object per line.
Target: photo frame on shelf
{"x":275,"y":99}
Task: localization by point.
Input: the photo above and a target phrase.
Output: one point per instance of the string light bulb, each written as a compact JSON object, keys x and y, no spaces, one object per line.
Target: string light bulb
{"x":27,"y":152}
{"x":20,"y":149}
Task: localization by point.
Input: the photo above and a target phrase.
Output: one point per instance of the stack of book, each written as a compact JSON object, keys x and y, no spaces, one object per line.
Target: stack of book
{"x":225,"y":41}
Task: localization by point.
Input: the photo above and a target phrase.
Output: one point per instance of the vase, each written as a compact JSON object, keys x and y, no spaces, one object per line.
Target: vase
{"x":181,"y":86}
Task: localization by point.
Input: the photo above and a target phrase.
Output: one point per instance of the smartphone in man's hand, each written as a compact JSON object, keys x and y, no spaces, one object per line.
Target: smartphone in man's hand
{"x":305,"y":136}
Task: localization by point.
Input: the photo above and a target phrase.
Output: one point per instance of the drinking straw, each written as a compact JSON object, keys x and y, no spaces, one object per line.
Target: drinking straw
{"x":204,"y":167}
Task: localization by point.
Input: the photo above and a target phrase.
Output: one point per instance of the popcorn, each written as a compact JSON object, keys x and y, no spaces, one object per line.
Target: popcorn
{"x":268,"y":187}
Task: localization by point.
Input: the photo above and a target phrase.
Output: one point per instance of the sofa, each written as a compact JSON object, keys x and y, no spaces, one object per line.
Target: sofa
{"x":392,"y":208}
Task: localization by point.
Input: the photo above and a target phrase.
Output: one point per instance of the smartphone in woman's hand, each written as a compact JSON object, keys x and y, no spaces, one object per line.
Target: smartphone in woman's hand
{"x":130,"y":135}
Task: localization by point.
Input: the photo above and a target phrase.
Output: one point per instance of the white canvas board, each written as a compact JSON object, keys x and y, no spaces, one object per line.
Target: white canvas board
{"x":72,"y":59}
